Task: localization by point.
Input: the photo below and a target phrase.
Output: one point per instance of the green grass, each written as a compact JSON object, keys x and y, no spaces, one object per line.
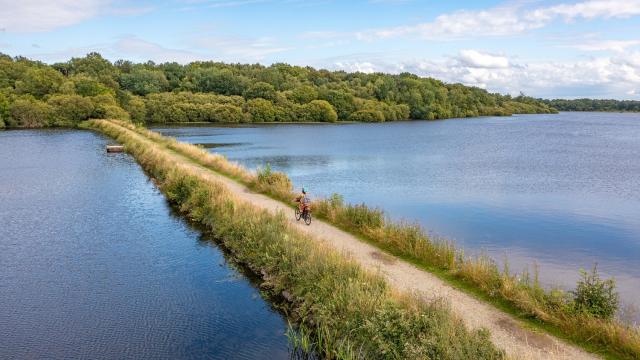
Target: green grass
{"x":341,"y":310}
{"x":521,"y":294}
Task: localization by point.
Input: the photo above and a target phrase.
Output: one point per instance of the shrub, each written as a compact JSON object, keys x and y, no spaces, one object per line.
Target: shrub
{"x":367,"y":116}
{"x":261,"y":110}
{"x":318,"y":110}
{"x":595,"y":296}
{"x":228,"y":114}
{"x":30,"y":113}
{"x":275,"y":182}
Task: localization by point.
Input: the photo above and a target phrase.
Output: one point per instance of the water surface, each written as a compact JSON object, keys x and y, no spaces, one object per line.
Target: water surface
{"x":94,"y":264}
{"x":562,"y":191}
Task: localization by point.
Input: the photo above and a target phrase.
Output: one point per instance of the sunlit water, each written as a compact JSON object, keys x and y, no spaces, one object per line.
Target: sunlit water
{"x":94,"y":264}
{"x":562,"y":191}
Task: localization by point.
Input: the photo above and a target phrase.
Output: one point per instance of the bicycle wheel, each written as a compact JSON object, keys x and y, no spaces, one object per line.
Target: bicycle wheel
{"x":298,"y":214}
{"x":307,"y":217}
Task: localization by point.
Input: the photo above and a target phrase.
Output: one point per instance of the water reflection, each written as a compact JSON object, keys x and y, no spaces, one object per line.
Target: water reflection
{"x":95,"y":265}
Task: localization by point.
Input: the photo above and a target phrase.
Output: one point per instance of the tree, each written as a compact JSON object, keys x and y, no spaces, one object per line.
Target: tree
{"x":261,"y":110}
{"x":228,"y":114}
{"x":30,"y":113}
{"x":367,"y":116}
{"x":137,"y":109}
{"x":343,"y":102}
{"x":260,"y":90}
{"x":39,"y":82}
{"x":4,"y":110}
{"x":220,"y":81}
{"x":143,"y":81}
{"x":303,"y":94}
{"x":318,"y":110}
{"x":70,"y":109}
{"x":86,"y":86}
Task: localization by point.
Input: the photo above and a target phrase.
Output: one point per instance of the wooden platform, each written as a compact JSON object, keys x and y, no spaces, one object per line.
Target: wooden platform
{"x":115,"y":148}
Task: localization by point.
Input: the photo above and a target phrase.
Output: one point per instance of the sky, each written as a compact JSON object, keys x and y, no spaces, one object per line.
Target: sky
{"x":550,"y":49}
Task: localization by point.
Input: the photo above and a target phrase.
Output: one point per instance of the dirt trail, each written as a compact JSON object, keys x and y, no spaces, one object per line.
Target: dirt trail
{"x":507,"y":332}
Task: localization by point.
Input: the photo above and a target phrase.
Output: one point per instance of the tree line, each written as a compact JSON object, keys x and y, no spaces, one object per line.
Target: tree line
{"x":35,"y":94}
{"x":594,"y":105}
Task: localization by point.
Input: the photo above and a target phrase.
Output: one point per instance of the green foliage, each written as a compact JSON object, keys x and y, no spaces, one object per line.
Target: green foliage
{"x":367,"y":116}
{"x":594,"y":105}
{"x":273,"y":181}
{"x":30,"y":113}
{"x":4,"y":110}
{"x":39,"y":82}
{"x":261,"y":110}
{"x":86,"y":86}
{"x":197,"y":92}
{"x":227,"y":114}
{"x":137,"y":109}
{"x":303,"y":94}
{"x":70,"y":109}
{"x":595,"y":296}
{"x":220,"y":81}
{"x":143,"y":81}
{"x":260,"y":90}
{"x":318,"y":111}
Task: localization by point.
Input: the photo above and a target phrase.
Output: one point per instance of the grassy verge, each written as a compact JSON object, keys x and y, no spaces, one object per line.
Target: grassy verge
{"x":521,"y":294}
{"x":349,"y":312}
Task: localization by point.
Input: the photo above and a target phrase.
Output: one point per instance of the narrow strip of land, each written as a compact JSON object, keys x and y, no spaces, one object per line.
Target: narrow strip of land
{"x":507,"y":332}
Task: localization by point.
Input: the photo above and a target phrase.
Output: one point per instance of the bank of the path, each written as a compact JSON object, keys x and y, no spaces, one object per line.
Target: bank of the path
{"x":507,"y":332}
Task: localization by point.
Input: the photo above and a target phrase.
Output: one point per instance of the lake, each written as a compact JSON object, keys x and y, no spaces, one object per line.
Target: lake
{"x":95,"y":264}
{"x":561,"y":192}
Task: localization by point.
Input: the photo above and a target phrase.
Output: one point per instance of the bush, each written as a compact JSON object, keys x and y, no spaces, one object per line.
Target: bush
{"x":318,"y":111}
{"x":30,"y":113}
{"x":261,"y":110}
{"x":367,"y":116}
{"x":275,"y":182}
{"x":228,"y":114}
{"x":71,"y":109}
{"x":595,"y":296}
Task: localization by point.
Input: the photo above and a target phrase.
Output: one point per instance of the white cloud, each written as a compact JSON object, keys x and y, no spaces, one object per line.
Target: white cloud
{"x":504,"y":20}
{"x":477,"y":59}
{"x":46,"y":15}
{"x":240,"y":49}
{"x":591,"y":9}
{"x":39,"y":15}
{"x":606,"y":45}
{"x":134,"y":48}
{"x":602,"y":77}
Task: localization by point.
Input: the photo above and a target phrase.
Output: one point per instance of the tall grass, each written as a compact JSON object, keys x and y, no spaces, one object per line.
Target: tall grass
{"x":344,"y":311}
{"x":553,"y":308}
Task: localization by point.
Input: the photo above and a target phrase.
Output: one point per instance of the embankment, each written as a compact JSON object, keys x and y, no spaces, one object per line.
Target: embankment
{"x":351,"y":313}
{"x":520,"y":296}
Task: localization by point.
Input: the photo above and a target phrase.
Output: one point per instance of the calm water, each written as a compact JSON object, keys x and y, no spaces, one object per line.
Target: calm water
{"x":94,"y":264}
{"x":560,"y":190}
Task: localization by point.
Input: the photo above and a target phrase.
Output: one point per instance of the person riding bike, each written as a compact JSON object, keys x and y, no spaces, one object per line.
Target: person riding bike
{"x":303,"y":200}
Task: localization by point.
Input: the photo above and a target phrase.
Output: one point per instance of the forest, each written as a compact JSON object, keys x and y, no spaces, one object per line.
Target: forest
{"x":35,"y":94}
{"x":594,"y":105}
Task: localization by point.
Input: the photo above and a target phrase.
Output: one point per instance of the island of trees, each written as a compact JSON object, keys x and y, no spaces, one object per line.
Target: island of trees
{"x":594,"y":105}
{"x":35,"y":94}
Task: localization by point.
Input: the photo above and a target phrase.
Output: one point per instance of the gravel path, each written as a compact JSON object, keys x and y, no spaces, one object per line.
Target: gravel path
{"x":507,"y":332}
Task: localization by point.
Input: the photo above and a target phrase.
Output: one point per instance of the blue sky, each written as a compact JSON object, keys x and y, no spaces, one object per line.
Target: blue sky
{"x":567,"y":49}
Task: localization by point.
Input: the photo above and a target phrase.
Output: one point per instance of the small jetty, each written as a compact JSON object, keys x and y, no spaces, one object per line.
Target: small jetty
{"x":115,"y":148}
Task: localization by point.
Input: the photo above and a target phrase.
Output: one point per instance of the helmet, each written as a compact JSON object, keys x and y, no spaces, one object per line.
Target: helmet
{"x":304,"y":190}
